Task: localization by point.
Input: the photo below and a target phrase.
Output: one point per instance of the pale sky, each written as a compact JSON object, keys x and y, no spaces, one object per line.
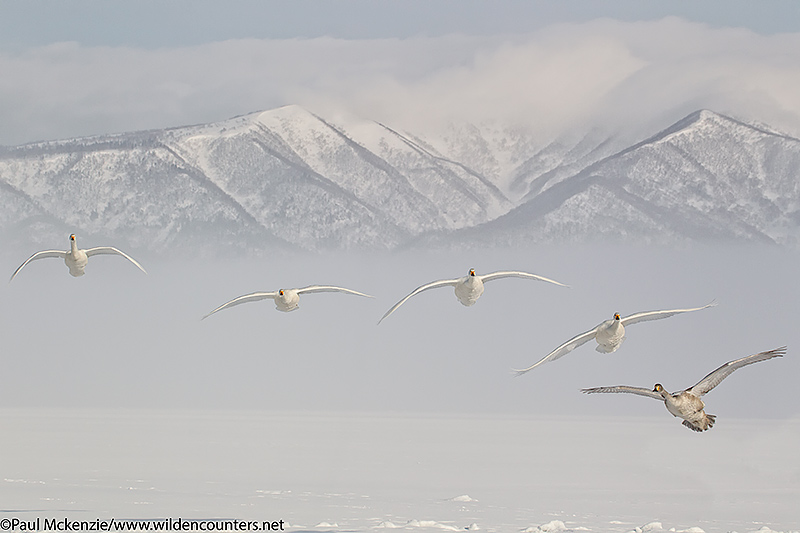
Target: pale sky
{"x":152,"y":24}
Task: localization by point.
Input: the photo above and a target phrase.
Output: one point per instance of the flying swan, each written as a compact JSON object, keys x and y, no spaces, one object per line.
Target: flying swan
{"x":687,"y":404}
{"x":76,"y":259}
{"x":609,"y":334}
{"x":285,"y":299}
{"x":469,"y":288}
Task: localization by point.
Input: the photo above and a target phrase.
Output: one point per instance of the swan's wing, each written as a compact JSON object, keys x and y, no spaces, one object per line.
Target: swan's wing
{"x":108,"y":250}
{"x":39,"y":255}
{"x":432,"y":285}
{"x":715,"y":377}
{"x":657,"y":315}
{"x":515,"y":274}
{"x":562,"y":350}
{"x":329,"y":288}
{"x":253,"y":297}
{"x":624,"y":388}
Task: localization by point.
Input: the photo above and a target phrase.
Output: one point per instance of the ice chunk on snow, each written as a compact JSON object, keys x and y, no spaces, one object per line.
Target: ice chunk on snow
{"x":550,"y":527}
{"x":658,"y":526}
{"x":652,"y":526}
{"x":431,"y":523}
{"x":462,"y":498}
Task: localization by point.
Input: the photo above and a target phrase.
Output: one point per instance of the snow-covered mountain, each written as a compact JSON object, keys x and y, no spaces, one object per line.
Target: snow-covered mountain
{"x":288,"y":178}
{"x":706,"y":178}
{"x":280,"y":178}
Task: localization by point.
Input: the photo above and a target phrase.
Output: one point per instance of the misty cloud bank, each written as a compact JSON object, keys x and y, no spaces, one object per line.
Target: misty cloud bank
{"x":605,"y":72}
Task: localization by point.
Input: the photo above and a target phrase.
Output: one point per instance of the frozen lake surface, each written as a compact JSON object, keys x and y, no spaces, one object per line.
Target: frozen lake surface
{"x":321,"y":471}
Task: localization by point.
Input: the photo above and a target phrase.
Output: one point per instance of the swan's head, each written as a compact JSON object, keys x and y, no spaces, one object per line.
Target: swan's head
{"x":471,"y":271}
{"x":616,"y":316}
{"x":72,"y":237}
{"x":280,"y":292}
{"x":658,"y":388}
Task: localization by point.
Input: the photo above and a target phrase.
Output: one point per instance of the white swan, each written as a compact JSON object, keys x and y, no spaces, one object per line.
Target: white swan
{"x":609,"y":334}
{"x":285,"y":299}
{"x":76,"y":259}
{"x":687,"y":404}
{"x":469,"y":288}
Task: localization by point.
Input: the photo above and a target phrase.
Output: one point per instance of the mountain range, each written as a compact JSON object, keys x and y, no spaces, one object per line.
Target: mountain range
{"x":288,"y":178}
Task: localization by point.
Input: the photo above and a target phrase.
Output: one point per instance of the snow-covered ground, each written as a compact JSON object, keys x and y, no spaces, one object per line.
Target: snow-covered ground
{"x":361,"y":472}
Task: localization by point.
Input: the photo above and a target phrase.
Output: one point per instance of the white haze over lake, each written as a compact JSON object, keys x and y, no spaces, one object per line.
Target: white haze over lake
{"x":118,"y":401}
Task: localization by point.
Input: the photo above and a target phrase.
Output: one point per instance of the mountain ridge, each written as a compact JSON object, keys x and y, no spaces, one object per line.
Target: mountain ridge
{"x":528,"y":223}
{"x":288,"y":178}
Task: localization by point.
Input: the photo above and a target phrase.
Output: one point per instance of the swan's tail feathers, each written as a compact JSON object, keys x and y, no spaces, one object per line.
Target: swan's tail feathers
{"x":610,"y":347}
{"x":691,"y":426}
{"x":703,"y":424}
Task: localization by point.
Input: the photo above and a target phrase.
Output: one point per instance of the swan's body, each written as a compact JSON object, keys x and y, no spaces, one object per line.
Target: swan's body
{"x":286,"y":300}
{"x":468,"y":288}
{"x":77,"y":259}
{"x":687,"y":404}
{"x":609,"y":334}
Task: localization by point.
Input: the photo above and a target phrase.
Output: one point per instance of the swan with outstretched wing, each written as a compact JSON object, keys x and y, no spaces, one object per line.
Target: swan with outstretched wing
{"x":75,"y":258}
{"x":608,"y":334}
{"x":285,"y":299}
{"x":470,"y":287}
{"x":687,"y":403}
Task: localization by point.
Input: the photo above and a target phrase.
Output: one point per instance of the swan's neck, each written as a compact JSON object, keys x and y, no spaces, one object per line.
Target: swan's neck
{"x":73,"y":246}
